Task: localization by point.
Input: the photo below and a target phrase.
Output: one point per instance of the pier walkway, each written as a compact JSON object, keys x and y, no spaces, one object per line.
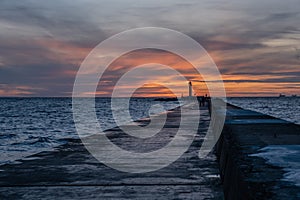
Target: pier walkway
{"x":259,"y":156}
{"x":71,"y":172}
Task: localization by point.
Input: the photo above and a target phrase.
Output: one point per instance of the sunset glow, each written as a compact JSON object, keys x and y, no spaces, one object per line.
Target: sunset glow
{"x":255,"y":48}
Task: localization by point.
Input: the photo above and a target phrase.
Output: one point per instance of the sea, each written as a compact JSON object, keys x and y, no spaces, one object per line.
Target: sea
{"x":287,"y":108}
{"x":32,"y":125}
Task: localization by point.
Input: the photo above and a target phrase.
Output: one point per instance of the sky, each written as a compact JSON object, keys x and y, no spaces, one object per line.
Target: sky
{"x":255,"y":44}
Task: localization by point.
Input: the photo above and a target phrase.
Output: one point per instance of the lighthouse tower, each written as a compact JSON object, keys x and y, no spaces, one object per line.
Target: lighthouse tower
{"x":190,"y":89}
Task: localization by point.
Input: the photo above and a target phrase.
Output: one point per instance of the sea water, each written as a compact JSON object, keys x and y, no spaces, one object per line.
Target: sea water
{"x":287,"y":108}
{"x":32,"y":125}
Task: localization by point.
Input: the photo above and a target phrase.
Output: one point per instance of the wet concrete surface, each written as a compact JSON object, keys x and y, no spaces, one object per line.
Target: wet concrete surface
{"x":245,"y":176}
{"x":71,"y":172}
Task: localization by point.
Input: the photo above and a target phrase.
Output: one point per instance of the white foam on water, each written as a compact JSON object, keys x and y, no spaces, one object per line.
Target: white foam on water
{"x":285,"y":156}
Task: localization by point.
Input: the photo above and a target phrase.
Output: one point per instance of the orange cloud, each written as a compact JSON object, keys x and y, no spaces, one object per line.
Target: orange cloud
{"x":133,"y":59}
{"x":64,"y":51}
{"x":11,"y":91}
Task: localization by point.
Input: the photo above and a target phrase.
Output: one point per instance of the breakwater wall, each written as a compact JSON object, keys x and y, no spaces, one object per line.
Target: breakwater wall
{"x":255,"y":157}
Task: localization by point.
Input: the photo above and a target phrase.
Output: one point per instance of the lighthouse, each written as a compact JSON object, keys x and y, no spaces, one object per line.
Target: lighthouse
{"x":190,"y":89}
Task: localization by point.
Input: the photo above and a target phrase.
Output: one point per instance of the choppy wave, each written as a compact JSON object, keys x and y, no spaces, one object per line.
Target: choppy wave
{"x":32,"y":125}
{"x":287,"y":108}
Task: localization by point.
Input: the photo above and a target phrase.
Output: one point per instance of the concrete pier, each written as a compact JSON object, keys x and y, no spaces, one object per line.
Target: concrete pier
{"x":251,"y":166}
{"x":71,"y":172}
{"x":257,"y":157}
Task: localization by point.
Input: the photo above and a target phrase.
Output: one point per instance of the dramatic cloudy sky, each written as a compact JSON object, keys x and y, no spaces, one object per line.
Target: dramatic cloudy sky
{"x":255,"y":44}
